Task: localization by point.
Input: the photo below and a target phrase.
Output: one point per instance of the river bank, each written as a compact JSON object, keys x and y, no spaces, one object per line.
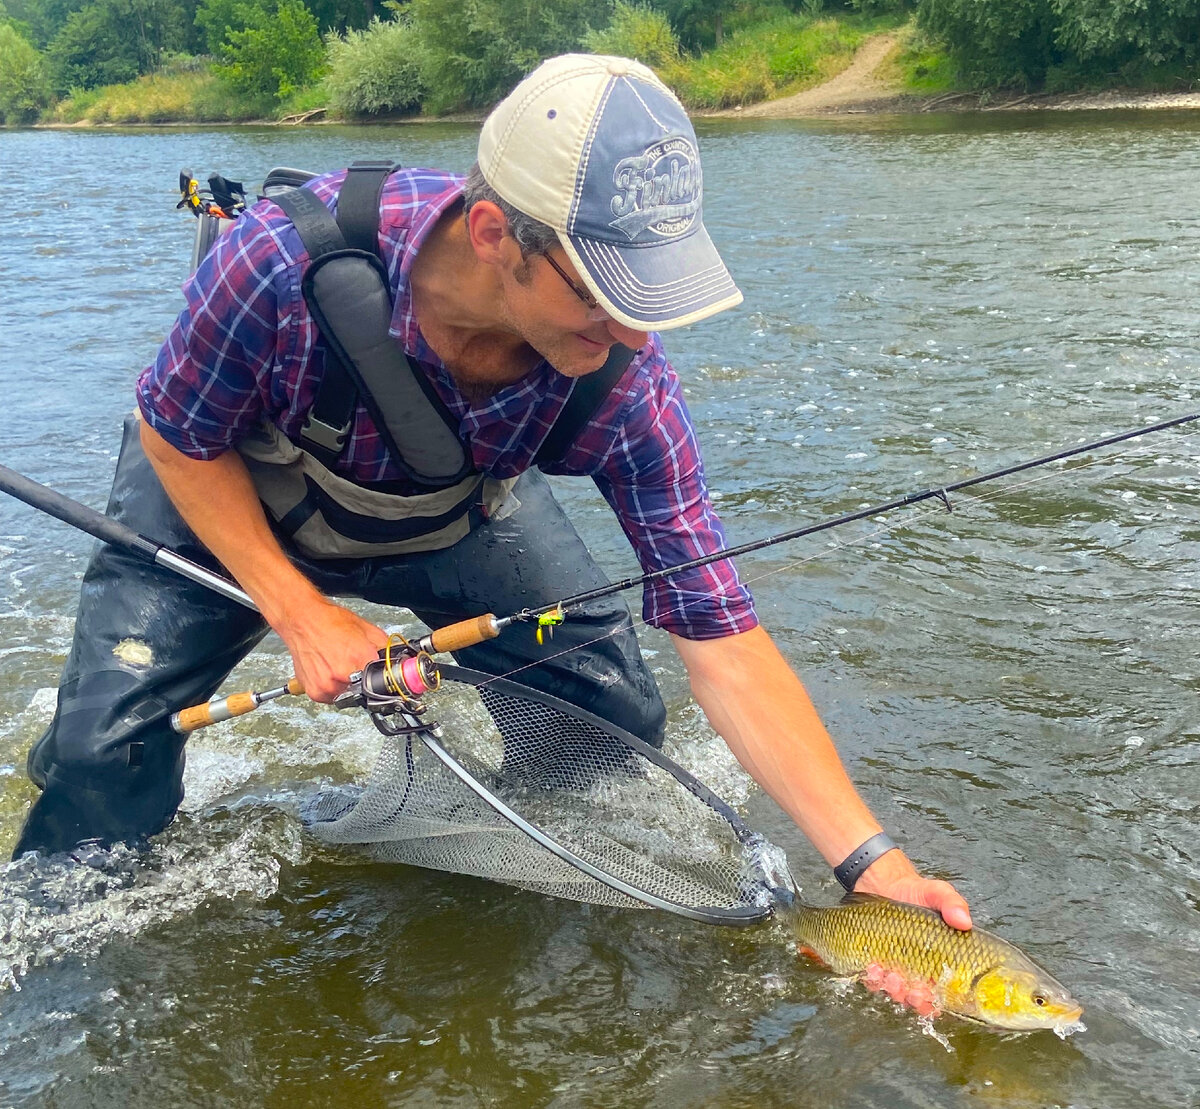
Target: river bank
{"x":869,"y":85}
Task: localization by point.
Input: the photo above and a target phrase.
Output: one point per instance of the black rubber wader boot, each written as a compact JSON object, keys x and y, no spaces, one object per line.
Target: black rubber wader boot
{"x":149,"y":642}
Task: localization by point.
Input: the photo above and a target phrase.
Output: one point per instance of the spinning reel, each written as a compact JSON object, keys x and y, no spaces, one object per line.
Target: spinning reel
{"x":391,"y":688}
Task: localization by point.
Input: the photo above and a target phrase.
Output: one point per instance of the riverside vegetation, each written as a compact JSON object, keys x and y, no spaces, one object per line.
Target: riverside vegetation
{"x":158,"y":61}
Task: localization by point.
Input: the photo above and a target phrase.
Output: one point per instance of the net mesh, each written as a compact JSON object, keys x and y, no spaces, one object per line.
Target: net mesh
{"x":598,"y":794}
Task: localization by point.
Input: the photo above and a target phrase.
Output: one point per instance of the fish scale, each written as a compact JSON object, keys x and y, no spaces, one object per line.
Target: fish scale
{"x":973,"y":974}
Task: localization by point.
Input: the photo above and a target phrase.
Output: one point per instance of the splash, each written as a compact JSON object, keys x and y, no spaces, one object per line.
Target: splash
{"x":927,"y":1027}
{"x":1062,"y":1031}
{"x":72,"y":906}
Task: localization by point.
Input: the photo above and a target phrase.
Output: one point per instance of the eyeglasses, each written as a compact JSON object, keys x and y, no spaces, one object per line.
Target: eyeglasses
{"x":583,"y":294}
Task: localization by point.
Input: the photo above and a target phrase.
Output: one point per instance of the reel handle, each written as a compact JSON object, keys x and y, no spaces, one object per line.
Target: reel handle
{"x":236,"y":704}
{"x":466,"y":633}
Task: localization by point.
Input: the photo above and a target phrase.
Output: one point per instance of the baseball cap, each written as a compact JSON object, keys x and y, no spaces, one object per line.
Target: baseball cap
{"x":598,"y":148}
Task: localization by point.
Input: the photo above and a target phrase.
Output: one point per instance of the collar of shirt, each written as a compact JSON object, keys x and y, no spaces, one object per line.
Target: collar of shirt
{"x":540,"y":394}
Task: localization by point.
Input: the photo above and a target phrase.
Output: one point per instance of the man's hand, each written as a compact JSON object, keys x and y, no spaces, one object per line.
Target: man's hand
{"x":328,"y":643}
{"x":934,"y":894}
{"x":893,"y":876}
{"x":216,"y":497}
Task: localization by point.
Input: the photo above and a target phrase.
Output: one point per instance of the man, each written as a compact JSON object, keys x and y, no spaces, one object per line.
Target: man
{"x":579,"y":231}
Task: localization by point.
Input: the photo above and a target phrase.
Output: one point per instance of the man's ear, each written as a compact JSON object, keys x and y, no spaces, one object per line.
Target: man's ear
{"x":487,"y":229}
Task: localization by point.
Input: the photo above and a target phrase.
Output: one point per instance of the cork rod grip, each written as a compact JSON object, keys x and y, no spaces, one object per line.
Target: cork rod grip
{"x":236,"y":704}
{"x":201,"y":716}
{"x":466,"y":633}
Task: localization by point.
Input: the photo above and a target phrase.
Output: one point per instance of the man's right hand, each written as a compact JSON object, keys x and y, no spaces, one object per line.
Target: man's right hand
{"x":216,"y":497}
{"x":328,"y":643}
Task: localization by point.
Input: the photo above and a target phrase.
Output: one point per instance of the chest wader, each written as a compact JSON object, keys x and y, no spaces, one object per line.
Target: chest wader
{"x":148,"y":642}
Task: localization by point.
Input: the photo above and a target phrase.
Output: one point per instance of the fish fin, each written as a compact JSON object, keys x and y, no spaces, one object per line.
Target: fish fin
{"x":804,"y":949}
{"x":860,"y":898}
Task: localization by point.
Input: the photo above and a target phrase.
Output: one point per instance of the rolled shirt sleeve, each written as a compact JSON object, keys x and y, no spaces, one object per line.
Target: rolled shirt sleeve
{"x":653,"y":477}
{"x":215,"y":376}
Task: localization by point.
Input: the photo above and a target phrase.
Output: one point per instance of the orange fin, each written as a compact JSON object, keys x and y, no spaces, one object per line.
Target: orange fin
{"x":804,"y":949}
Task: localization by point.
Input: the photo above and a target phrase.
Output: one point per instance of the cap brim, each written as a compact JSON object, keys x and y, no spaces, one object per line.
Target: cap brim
{"x":641,"y":286}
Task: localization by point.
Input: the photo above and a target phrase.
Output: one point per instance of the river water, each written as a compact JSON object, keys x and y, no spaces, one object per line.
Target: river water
{"x":1013,"y":685}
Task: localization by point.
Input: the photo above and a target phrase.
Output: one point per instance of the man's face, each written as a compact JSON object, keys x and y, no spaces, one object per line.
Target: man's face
{"x":545,"y":307}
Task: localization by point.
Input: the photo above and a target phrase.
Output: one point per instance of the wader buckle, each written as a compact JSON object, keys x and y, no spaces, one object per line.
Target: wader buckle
{"x":325,"y":435}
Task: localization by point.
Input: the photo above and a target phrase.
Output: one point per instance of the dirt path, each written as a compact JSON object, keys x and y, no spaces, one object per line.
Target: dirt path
{"x":856,"y":84}
{"x":860,"y":88}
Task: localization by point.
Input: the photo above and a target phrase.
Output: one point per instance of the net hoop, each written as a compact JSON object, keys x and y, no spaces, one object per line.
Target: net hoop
{"x":727,"y":915}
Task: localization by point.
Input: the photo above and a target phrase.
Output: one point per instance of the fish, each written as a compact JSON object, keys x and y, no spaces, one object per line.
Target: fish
{"x":974,"y":975}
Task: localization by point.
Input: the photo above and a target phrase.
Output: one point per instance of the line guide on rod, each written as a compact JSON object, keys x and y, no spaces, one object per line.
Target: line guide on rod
{"x":405,"y":671}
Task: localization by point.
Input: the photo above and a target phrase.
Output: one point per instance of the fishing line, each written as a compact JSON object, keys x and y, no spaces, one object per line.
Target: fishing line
{"x":919,"y":514}
{"x":940,"y":492}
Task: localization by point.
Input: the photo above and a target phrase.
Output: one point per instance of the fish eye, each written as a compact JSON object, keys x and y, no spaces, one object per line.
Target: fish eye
{"x":1038,"y":999}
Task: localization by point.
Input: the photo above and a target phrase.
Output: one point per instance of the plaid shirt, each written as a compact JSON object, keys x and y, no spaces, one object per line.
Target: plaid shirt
{"x":246,"y":349}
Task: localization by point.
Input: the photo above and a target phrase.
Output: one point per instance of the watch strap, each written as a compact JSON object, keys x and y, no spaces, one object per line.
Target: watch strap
{"x":851,"y":868}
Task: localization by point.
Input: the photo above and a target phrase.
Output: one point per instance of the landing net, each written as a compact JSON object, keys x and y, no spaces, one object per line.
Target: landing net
{"x":523,"y":788}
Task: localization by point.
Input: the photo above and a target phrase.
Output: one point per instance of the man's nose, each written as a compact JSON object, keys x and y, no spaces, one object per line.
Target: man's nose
{"x":627,"y":336}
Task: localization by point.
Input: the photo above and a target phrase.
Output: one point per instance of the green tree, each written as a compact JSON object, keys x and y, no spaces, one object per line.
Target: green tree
{"x":108,"y":42}
{"x":41,"y":20}
{"x":636,"y":31}
{"x":24,"y":86}
{"x":376,"y":70}
{"x":995,"y":42}
{"x":214,"y":18}
{"x":277,"y":51}
{"x":700,"y":24}
{"x":1124,"y":32}
{"x":476,"y":50}
{"x":999,"y":42}
{"x":340,"y":16}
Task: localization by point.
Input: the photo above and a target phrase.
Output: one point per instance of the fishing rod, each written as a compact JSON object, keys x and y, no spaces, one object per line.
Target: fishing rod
{"x":549,"y":615}
{"x":396,"y":683}
{"x":402,"y":679}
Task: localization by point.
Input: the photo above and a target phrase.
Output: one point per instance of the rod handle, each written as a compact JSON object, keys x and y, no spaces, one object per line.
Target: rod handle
{"x":466,"y":633}
{"x":236,"y":704}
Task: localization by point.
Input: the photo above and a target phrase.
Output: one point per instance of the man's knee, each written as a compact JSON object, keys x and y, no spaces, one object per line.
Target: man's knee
{"x":109,"y":766}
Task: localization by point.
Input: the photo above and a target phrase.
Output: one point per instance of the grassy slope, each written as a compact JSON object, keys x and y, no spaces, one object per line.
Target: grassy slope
{"x":777,"y":58}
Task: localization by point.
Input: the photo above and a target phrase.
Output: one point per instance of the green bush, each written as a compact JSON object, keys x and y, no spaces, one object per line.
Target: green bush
{"x":785,"y":55}
{"x":635,"y":31}
{"x":24,"y":86}
{"x":93,"y":48}
{"x":475,"y":51}
{"x":923,"y":65}
{"x":1072,"y":42}
{"x":189,"y":97}
{"x":1129,"y":35}
{"x":215,"y":17}
{"x":822,"y":40}
{"x":278,"y":52}
{"x":374,"y":71}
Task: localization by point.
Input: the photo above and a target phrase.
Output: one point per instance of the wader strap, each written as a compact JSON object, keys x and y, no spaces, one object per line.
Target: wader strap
{"x":319,"y":231}
{"x":585,"y":398}
{"x":363,"y":361}
{"x":328,"y":424}
{"x":358,"y":203}
{"x":346,"y":288}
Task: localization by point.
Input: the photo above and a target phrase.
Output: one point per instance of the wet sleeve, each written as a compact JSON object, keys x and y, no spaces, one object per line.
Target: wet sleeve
{"x":219,"y":371}
{"x":654,"y":480}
